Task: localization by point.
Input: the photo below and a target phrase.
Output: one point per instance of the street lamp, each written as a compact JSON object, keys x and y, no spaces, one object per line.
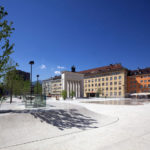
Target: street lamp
{"x":37,"y":82}
{"x":31,"y":63}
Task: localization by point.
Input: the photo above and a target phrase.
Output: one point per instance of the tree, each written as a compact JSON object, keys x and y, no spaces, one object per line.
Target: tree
{"x":72,"y":94}
{"x":2,"y":97}
{"x":10,"y":77}
{"x":26,"y":87}
{"x":64,"y":94}
{"x":38,"y":88}
{"x":5,"y":47}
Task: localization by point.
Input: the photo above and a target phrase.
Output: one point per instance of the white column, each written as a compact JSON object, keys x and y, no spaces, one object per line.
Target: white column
{"x":76,"y":89}
{"x":70,"y":87}
{"x":73,"y":86}
{"x":67,"y":88}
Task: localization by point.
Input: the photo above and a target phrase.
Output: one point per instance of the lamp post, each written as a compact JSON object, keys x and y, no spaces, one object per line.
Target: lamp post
{"x":37,"y":82}
{"x":31,"y":63}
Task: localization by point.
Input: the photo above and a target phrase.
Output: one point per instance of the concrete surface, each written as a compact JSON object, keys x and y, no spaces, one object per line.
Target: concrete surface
{"x":25,"y":131}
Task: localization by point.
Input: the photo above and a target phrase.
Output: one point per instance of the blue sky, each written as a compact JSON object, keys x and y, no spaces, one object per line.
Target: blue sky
{"x":57,"y":34}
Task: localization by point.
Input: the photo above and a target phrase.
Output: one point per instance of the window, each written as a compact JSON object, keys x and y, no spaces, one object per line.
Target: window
{"x":92,"y":84}
{"x":106,"y":89}
{"x":103,"y":84}
{"x":119,"y":87}
{"x":141,"y":86}
{"x":88,"y":80}
{"x":102,"y":79}
{"x":99,"y":80}
{"x":115,"y":93}
{"x":89,"y":89}
{"x":110,"y":83}
{"x":89,"y":85}
{"x":145,"y":81}
{"x":110,"y":93}
{"x":106,"y":84}
{"x":115,"y":83}
{"x":141,"y":81}
{"x":85,"y":81}
{"x":95,"y":80}
{"x":148,"y":85}
{"x":110,"y":78}
{"x":115,"y":88}
{"x":119,"y":77}
{"x":96,"y":84}
{"x":111,"y":88}
{"x":119,"y":82}
{"x":115,"y":78}
{"x":148,"y":80}
{"x":119,"y":93}
{"x":106,"y":79}
{"x":99,"y":84}
{"x":145,"y":86}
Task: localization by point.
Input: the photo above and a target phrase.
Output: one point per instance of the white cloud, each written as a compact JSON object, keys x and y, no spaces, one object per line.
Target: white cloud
{"x":42,"y":67}
{"x":60,"y":67}
{"x":57,"y":72}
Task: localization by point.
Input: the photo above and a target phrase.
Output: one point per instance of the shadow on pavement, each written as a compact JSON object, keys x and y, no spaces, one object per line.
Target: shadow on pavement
{"x":62,"y":119}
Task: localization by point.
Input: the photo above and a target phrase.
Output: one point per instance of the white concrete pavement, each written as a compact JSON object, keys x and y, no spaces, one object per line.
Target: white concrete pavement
{"x":131,"y":132}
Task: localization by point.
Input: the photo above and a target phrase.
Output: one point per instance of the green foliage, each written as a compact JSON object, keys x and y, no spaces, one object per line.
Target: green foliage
{"x":5,"y":47}
{"x":26,"y":87}
{"x":15,"y":84}
{"x":2,"y":97}
{"x":72,"y":94}
{"x":64,"y":94}
{"x":37,"y":88}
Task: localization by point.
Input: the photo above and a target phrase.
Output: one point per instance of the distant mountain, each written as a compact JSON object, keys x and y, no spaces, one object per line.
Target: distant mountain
{"x":34,"y":82}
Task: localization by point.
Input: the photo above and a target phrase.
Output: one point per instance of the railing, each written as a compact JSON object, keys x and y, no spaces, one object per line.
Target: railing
{"x":34,"y":101}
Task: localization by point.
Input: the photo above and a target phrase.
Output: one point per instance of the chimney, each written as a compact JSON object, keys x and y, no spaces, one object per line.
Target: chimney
{"x":73,"y":69}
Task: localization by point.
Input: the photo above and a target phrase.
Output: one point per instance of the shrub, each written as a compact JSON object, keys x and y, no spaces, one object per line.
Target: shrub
{"x":64,"y":94}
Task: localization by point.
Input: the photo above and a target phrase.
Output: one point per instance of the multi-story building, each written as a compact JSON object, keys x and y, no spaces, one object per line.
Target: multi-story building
{"x":69,"y":81}
{"x":138,"y":81}
{"x":46,"y":87}
{"x":109,"y":80}
{"x":56,"y":86}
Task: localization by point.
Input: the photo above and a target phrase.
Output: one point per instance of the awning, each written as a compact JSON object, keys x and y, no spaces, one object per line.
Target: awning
{"x":140,"y":94}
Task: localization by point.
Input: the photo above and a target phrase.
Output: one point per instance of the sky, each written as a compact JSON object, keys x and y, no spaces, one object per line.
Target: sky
{"x":57,"y":34}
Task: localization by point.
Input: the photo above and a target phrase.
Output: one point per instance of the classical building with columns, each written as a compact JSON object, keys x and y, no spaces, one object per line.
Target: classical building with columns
{"x":69,"y":81}
{"x":73,"y":82}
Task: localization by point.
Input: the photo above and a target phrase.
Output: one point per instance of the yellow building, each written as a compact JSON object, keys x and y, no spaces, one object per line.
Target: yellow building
{"x":108,"y":81}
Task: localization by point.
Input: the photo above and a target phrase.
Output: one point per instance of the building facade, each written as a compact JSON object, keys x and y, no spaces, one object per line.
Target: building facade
{"x":73,"y":82}
{"x":113,"y":80}
{"x":138,"y":81}
{"x":46,"y":87}
{"x":56,"y":86}
{"x":107,"y":81}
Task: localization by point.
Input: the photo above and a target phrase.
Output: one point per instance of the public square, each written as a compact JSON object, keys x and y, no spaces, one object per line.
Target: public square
{"x":74,"y":124}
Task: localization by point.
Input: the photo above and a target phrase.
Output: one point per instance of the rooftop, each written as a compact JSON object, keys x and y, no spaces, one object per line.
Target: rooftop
{"x":139,"y":71}
{"x":111,"y":67}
